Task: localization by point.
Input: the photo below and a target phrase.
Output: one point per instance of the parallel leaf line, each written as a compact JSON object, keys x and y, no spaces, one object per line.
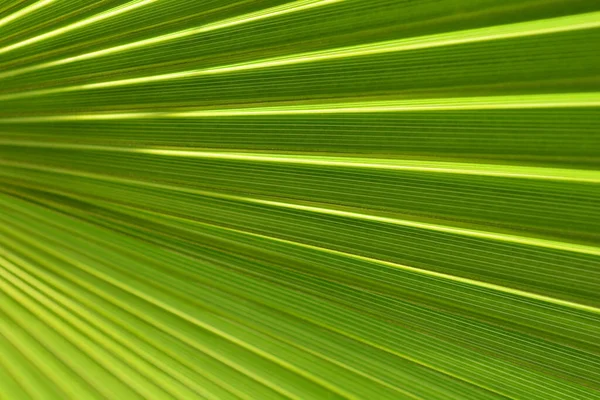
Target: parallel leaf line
{"x":299,"y":5}
{"x":510,"y":102}
{"x":439,"y":228}
{"x":465,"y":168}
{"x":507,"y":31}
{"x":132,"y":5}
{"x":24,"y":11}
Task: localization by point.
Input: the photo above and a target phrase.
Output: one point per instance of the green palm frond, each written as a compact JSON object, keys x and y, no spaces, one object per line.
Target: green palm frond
{"x":310,"y":199}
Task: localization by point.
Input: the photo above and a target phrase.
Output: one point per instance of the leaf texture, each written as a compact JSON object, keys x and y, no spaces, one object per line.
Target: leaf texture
{"x":310,"y":199}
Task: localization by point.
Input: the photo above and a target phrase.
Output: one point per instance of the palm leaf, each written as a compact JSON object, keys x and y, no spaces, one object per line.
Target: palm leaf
{"x":310,"y":199}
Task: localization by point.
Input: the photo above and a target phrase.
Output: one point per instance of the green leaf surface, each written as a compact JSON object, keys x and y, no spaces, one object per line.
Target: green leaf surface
{"x":309,"y":199}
